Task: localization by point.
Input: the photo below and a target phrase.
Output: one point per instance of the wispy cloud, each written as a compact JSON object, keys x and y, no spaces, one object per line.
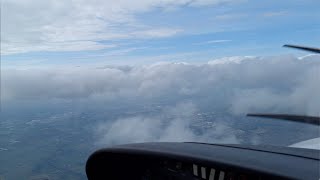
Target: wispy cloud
{"x":120,"y":52}
{"x":274,"y":13}
{"x":213,"y":41}
{"x":230,"y":16}
{"x":61,"y":25}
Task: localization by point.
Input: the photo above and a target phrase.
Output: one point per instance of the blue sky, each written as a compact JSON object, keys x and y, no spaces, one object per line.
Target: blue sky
{"x":146,"y":32}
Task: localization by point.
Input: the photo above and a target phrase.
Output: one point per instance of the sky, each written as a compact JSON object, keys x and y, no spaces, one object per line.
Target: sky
{"x":79,"y":32}
{"x":201,"y":55}
{"x":77,"y":75}
{"x":193,"y":55}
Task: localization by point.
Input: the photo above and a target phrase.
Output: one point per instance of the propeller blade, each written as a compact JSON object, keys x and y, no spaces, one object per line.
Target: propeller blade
{"x":311,"y":49}
{"x":289,"y":117}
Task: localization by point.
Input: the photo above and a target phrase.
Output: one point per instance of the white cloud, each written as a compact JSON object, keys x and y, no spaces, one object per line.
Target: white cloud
{"x":209,"y":2}
{"x":156,"y":33}
{"x":275,"y":13}
{"x":56,"y":46}
{"x":214,"y":41}
{"x":248,"y":83}
{"x":234,"y":85}
{"x":230,"y":17}
{"x":232,"y":60}
{"x":58,"y":25}
{"x":174,"y":124}
{"x":218,"y":41}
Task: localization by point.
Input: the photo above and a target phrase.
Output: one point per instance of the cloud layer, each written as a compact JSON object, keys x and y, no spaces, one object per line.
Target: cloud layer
{"x":161,"y":101}
{"x":280,"y":83}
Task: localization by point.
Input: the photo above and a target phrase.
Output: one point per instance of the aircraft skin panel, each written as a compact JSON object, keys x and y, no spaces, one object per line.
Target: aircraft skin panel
{"x":269,"y":162}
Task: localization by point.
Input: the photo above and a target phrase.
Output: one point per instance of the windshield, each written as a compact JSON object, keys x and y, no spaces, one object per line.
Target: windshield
{"x":79,"y":75}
